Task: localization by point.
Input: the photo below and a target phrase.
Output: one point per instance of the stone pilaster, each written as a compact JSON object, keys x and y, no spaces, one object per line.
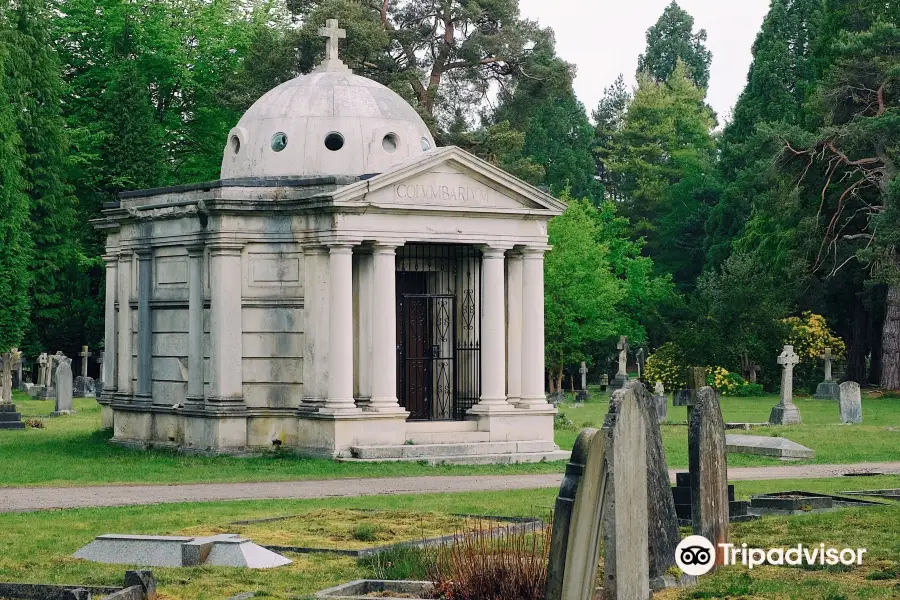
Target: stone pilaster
{"x":226,"y":375}
{"x":384,"y":331}
{"x":493,"y":334}
{"x":110,"y":339}
{"x":533,"y":330}
{"x":514,"y":268}
{"x":195,"y":326}
{"x":124,"y":385}
{"x":340,"y":399}
{"x":144,"y":325}
{"x":315,"y":328}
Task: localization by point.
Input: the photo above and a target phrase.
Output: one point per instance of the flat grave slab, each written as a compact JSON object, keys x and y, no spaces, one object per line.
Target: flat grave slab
{"x":362,"y":589}
{"x":799,"y":502}
{"x":762,"y":445}
{"x":890,"y":494}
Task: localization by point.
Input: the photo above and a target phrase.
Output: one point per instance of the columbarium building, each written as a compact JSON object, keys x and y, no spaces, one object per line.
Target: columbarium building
{"x":346,"y":289}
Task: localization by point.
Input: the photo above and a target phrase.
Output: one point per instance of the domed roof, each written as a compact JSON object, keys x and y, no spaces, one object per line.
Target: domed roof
{"x":330,"y":122}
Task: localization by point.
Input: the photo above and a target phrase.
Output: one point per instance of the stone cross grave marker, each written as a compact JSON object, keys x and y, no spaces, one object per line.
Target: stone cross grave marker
{"x":708,"y":469}
{"x":63,"y":379}
{"x":607,"y":469}
{"x":44,"y":370}
{"x":828,"y":389}
{"x":622,"y":347}
{"x":826,"y":356}
{"x":583,"y":392}
{"x":84,"y":354}
{"x":786,"y":412}
{"x":851,"y":403}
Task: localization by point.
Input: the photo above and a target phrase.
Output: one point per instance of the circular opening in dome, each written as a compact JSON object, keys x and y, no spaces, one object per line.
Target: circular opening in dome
{"x":426,"y":145}
{"x":390,"y":143}
{"x":279,"y":141}
{"x":334,"y":141}
{"x":235,"y":144}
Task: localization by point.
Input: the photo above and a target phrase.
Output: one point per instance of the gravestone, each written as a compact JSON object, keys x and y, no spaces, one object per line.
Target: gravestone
{"x":18,"y":366}
{"x":621,"y":377}
{"x":63,"y":387}
{"x":84,"y":385}
{"x":764,"y":445}
{"x":709,"y":470}
{"x":696,"y":379}
{"x":100,"y":383}
{"x":661,"y":401}
{"x":641,"y":359}
{"x":606,"y":475}
{"x":583,"y":394}
{"x":851,"y":403}
{"x":662,"y":533}
{"x":828,"y":389}
{"x":786,"y":412}
{"x":604,"y":382}
{"x":6,"y":367}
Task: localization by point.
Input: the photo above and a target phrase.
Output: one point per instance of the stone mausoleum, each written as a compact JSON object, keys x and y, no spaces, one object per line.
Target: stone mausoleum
{"x":346,"y":289}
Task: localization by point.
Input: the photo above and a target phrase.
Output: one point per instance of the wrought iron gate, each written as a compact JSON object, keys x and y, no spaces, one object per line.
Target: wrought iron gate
{"x":438,"y":330}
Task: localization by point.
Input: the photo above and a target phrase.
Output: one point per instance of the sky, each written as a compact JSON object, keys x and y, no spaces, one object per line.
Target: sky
{"x":604,"y":38}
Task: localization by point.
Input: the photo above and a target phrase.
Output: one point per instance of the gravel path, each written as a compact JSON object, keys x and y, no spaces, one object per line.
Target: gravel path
{"x":41,"y":498}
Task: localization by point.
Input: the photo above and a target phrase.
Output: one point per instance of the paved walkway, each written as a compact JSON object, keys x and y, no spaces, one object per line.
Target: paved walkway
{"x":26,"y":499}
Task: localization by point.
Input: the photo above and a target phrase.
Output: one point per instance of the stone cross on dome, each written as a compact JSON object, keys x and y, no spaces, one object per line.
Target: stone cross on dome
{"x":332,"y":62}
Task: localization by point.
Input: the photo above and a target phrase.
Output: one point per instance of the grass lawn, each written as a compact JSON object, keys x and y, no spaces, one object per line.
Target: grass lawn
{"x":876,"y":439}
{"x":74,"y":450}
{"x":38,"y":545}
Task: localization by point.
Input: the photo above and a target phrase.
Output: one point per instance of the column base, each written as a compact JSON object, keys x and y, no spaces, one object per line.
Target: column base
{"x":143,"y":400}
{"x":490,"y":406}
{"x":384,"y":406}
{"x":194,"y":402}
{"x":534,"y":403}
{"x":516,"y":424}
{"x":344,"y":406}
{"x":785,"y":414}
{"x":332,"y":435}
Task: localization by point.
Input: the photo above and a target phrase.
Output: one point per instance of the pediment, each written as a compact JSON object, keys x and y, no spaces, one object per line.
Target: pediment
{"x":449,"y":178}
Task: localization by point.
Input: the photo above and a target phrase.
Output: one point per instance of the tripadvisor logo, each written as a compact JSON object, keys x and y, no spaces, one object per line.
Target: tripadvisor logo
{"x":696,"y":555}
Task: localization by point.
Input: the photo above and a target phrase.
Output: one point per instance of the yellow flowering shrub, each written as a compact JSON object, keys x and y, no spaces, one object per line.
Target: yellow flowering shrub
{"x":666,"y":365}
{"x":810,"y":335}
{"x":719,"y":378}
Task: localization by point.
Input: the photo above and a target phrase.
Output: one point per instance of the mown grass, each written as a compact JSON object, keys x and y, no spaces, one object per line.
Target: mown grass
{"x":74,"y":450}
{"x":38,"y":545}
{"x":876,"y":439}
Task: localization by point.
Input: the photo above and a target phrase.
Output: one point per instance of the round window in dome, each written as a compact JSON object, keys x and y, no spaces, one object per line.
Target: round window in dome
{"x":279,"y":141}
{"x":426,"y":145}
{"x":235,"y":144}
{"x":334,"y":141}
{"x":390,"y":143}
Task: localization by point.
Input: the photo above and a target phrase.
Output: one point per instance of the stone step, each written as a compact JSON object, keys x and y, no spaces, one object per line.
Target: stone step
{"x":7,"y":407}
{"x":448,"y":437}
{"x":423,"y":451}
{"x":483,"y":459}
{"x":12,"y":425}
{"x":10,"y":416}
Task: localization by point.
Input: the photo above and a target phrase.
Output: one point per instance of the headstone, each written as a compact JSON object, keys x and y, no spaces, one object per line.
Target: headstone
{"x":100,"y":383}
{"x":621,"y":377}
{"x":641,"y":359}
{"x":44,"y":370}
{"x":85,"y":355}
{"x":786,"y":412}
{"x":84,"y":387}
{"x":583,"y":394}
{"x":661,"y":402}
{"x":851,"y":403}
{"x":663,"y":533}
{"x":63,"y":387}
{"x":764,"y":445}
{"x":696,"y":378}
{"x":18,"y":366}
{"x":828,"y":389}
{"x":604,"y":382}
{"x":709,"y":470}
{"x":6,"y":365}
{"x":605,"y":476}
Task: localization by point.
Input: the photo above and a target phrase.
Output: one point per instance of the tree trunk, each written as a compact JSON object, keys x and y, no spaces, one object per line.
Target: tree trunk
{"x":876,"y":332}
{"x":858,"y":347}
{"x":890,"y":341}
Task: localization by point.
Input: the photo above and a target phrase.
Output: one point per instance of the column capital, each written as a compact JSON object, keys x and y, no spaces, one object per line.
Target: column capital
{"x":111,"y":258}
{"x":494,"y":251}
{"x":144,"y":252}
{"x":225,"y":248}
{"x":125,"y":256}
{"x":339,"y":247}
{"x":195,"y":249}
{"x":385,"y":248}
{"x":534,"y":251}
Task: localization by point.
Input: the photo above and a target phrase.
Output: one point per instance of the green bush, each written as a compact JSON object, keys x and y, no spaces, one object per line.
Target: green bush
{"x":365,"y":532}
{"x":399,"y":563}
{"x":745,"y":390}
{"x":666,"y":365}
{"x":563,"y":423}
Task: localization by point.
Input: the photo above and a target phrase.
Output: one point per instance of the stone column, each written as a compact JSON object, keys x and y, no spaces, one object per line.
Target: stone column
{"x":123,"y":369}
{"x":226,"y":377}
{"x":363,"y":284}
{"x":514,"y":268}
{"x":315,"y":327}
{"x":384,"y":331}
{"x":340,"y":332}
{"x":145,"y":324}
{"x":109,"y":339}
{"x":195,"y":326}
{"x":493,"y":334}
{"x":533,"y":330}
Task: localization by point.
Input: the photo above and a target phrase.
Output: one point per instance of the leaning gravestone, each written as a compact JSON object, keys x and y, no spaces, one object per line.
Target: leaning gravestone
{"x":709,"y":470}
{"x":603,"y":495}
{"x":828,"y":389}
{"x":663,"y":533}
{"x":63,"y":388}
{"x":851,"y":403}
{"x":786,"y":412}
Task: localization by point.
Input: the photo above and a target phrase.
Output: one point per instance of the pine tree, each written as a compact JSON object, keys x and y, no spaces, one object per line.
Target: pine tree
{"x":672,"y":39}
{"x":15,"y":242}
{"x":609,"y":117}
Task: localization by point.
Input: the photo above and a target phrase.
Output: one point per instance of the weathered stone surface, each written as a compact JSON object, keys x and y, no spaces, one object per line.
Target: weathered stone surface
{"x":661,"y":405}
{"x":786,"y":412}
{"x":851,"y":403}
{"x":625,"y":507}
{"x":663,"y":534}
{"x":828,"y":390}
{"x":64,"y":388}
{"x":84,"y":387}
{"x":767,"y":446}
{"x":9,"y":418}
{"x":709,"y":469}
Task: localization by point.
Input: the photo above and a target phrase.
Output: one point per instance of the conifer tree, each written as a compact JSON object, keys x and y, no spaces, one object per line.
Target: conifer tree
{"x":672,"y":39}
